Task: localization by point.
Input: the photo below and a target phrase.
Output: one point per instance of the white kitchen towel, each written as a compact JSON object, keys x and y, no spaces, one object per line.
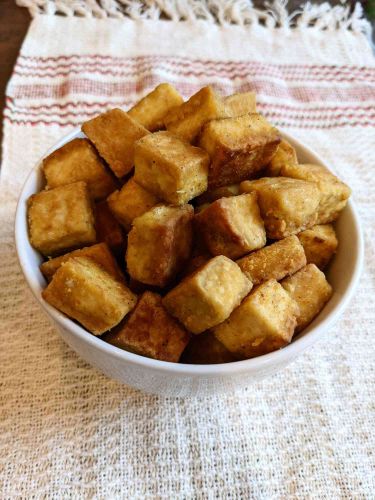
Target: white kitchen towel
{"x":66,"y":431}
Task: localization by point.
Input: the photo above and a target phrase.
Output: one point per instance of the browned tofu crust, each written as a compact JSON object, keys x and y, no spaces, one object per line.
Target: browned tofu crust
{"x":131,"y":202}
{"x":152,"y":109}
{"x":239,"y":148}
{"x":108,"y":230}
{"x":114,"y":134}
{"x":240,"y":104}
{"x":311,"y":291}
{"x":334,"y":193}
{"x":232,"y":226}
{"x":99,"y":253}
{"x":151,"y":331}
{"x":274,"y":261}
{"x":78,"y":161}
{"x":215,"y":194}
{"x":264,"y":322}
{"x":284,"y":155}
{"x":287,"y":206}
{"x":208,"y":296}
{"x":170,"y":168}
{"x":61,"y":219}
{"x":205,"y":349}
{"x":84,"y":291}
{"x":159,"y":244}
{"x":320,"y":244}
{"x":187,"y":120}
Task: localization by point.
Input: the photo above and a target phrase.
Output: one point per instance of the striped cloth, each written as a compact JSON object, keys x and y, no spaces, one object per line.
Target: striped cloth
{"x":66,"y":431}
{"x":77,"y":87}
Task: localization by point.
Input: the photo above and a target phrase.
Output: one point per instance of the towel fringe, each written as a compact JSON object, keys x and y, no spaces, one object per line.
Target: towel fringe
{"x":222,"y":12}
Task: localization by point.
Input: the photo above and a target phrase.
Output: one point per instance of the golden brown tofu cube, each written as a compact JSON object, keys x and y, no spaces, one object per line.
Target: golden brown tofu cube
{"x":320,"y":244}
{"x":205,"y":349}
{"x":108,"y":230}
{"x":232,"y":226}
{"x":264,"y":322}
{"x":78,"y":161}
{"x":114,"y":134}
{"x":99,"y":253}
{"x":287,"y":206}
{"x":151,"y":331}
{"x":208,"y":296}
{"x":311,"y":291}
{"x":187,"y":120}
{"x":61,"y":219}
{"x":239,"y":148}
{"x":170,"y":168}
{"x":240,"y":104}
{"x":334,"y":193}
{"x":84,"y":291}
{"x":159,"y":244}
{"x":152,"y":109}
{"x":284,"y":155}
{"x":130,"y":202}
{"x":217,"y":193}
{"x":275,"y":261}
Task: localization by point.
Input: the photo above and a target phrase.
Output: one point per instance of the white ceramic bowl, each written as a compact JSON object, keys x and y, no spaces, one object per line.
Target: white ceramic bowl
{"x":172,"y":379}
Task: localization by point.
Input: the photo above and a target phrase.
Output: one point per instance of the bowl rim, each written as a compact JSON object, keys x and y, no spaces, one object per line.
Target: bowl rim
{"x":274,"y":358}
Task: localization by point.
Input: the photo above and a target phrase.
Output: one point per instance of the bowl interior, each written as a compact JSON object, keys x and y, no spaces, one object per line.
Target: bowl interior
{"x":343,"y":274}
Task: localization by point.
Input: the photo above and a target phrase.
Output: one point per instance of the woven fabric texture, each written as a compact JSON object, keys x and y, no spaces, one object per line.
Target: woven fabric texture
{"x":66,"y":431}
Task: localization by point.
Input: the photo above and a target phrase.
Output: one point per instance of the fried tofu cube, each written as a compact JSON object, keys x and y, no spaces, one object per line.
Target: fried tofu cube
{"x":320,"y":244}
{"x":99,"y":253}
{"x":240,"y":104}
{"x":287,"y":206}
{"x":264,"y":322}
{"x":159,"y":244}
{"x":311,"y":291}
{"x":108,"y":230}
{"x":334,"y":193}
{"x":151,"y":331}
{"x":217,"y":193}
{"x":239,"y":148}
{"x":152,"y":109}
{"x":205,"y":349}
{"x":114,"y":133}
{"x":130,"y":202}
{"x":61,"y":219}
{"x":170,"y":168}
{"x":187,"y":120}
{"x":208,"y":296}
{"x":84,"y":291}
{"x":275,"y":261}
{"x":232,"y":226}
{"x":284,"y":155}
{"x":76,"y":161}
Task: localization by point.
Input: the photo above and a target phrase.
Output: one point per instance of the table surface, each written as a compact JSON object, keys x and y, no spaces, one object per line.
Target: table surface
{"x":14,"y":22}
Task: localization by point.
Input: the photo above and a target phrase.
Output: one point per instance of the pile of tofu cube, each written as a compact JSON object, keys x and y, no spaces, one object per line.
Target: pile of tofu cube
{"x":186,"y":231}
